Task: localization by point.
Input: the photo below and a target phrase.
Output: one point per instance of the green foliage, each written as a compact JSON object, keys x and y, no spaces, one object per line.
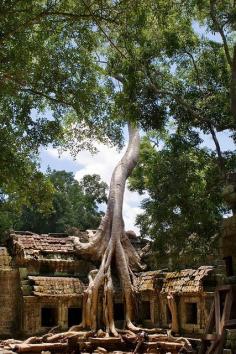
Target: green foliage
{"x":184,"y":208}
{"x":73,"y":72}
{"x":26,"y":188}
{"x":75,"y":204}
{"x":49,"y":73}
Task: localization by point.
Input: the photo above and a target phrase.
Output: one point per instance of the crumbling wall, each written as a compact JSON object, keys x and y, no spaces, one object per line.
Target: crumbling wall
{"x":9,"y":296}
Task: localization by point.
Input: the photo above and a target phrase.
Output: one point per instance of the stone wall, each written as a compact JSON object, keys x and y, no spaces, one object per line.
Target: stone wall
{"x":231,"y":339}
{"x":193,"y":312}
{"x":32,"y":321}
{"x":9,"y":296}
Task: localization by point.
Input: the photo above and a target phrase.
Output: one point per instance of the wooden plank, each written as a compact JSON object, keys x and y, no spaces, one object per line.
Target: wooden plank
{"x":221,"y":343}
{"x":224,"y":287}
{"x":227,"y":309}
{"x":230,"y":323}
{"x":221,"y":322}
{"x":211,"y":349}
{"x":225,"y":317}
{"x":211,"y":320}
{"x":217,"y":313}
{"x":209,"y":328}
{"x":211,"y":337}
{"x":164,"y":345}
{"x":105,"y":340}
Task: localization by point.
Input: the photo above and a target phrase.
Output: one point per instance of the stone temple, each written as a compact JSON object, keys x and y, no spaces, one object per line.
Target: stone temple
{"x":42,"y":280}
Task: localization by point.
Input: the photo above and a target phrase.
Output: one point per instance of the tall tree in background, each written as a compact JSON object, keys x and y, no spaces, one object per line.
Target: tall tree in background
{"x":184,"y":198}
{"x":75,"y":205}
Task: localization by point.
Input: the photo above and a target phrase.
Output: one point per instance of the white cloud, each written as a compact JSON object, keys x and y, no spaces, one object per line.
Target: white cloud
{"x":103,"y":163}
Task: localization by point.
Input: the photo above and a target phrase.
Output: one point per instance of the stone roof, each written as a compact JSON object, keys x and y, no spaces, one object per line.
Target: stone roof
{"x":149,"y":280}
{"x":56,"y":286}
{"x":186,"y":281}
{"x":32,"y":246}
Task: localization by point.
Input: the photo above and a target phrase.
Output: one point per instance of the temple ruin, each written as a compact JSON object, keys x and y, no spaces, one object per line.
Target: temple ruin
{"x":43,"y":280}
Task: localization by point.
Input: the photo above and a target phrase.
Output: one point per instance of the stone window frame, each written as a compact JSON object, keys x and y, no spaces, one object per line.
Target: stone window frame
{"x":53,"y":307}
{"x":189,"y":300}
{"x":70,"y":308}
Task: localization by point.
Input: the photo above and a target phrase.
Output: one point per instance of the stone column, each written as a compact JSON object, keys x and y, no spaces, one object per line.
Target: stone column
{"x":9,"y":296}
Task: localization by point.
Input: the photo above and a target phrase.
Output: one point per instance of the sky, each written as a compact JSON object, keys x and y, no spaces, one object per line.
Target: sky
{"x":103,"y":164}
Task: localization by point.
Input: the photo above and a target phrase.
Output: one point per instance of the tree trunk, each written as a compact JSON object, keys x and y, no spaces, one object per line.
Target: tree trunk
{"x":111,"y":243}
{"x":233,"y":86}
{"x":174,"y":313}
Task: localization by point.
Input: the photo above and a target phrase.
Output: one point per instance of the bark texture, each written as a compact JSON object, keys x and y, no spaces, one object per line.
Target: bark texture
{"x":174,"y":313}
{"x":111,"y":246}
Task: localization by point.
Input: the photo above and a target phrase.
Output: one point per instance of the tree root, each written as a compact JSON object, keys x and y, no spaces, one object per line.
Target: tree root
{"x":90,"y":341}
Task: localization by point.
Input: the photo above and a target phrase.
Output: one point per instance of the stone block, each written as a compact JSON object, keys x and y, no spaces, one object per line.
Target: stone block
{"x":23,"y":273}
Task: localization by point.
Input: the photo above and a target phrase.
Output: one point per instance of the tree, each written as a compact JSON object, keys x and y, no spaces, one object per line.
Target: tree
{"x":183,"y":211}
{"x":49,"y":61}
{"x":41,"y":82}
{"x":144,"y":48}
{"x":24,"y":188}
{"x":101,"y":65}
{"x":220,"y":18}
{"x":74,"y":205}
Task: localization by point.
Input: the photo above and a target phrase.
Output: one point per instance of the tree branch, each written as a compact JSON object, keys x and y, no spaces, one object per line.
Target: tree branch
{"x":38,"y":17}
{"x":24,"y":87}
{"x":219,"y":28}
{"x":199,"y":118}
{"x":218,"y":149}
{"x":195,"y":67}
{"x":104,"y":32}
{"x":177,"y":98}
{"x":42,"y":94}
{"x":233,"y":85}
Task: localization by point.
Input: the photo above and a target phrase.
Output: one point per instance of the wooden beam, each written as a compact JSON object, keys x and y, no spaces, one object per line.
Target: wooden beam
{"x":230,"y":323}
{"x":217,"y":313}
{"x":209,"y":328}
{"x":227,"y":309}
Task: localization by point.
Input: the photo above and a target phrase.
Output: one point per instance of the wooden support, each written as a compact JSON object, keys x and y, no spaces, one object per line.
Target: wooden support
{"x":217,"y":312}
{"x":230,"y":324}
{"x":209,"y":329}
{"x":214,"y":337}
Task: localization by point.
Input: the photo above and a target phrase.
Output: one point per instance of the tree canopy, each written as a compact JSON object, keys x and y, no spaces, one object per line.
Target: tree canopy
{"x":73,"y":72}
{"x":183,"y":209}
{"x":92,"y":63}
